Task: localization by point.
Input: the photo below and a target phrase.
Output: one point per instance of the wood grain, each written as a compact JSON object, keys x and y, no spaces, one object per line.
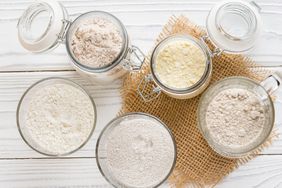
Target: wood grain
{"x":22,"y":167}
{"x":264,"y":171}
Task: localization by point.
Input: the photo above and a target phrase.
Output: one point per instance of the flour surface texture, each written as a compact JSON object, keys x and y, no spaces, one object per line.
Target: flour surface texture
{"x":140,"y":152}
{"x":235,"y":117}
{"x":180,"y":64}
{"x":96,"y":42}
{"x":59,"y":118}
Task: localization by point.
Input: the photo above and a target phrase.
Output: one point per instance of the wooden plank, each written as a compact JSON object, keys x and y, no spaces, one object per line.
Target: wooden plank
{"x":51,"y":173}
{"x":263,"y":171}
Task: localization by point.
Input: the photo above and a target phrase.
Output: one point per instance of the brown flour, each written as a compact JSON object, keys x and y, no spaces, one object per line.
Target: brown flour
{"x":235,"y":118}
{"x":96,"y":42}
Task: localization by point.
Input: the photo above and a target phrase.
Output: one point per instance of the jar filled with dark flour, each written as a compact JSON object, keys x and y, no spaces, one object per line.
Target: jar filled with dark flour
{"x":236,"y":115}
{"x":97,"y":42}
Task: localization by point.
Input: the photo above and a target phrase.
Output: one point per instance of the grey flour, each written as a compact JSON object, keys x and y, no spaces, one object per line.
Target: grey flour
{"x":235,"y":117}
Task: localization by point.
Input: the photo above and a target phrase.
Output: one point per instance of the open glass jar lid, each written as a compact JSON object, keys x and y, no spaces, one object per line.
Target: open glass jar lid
{"x":96,"y":41}
{"x":42,"y":26}
{"x":234,"y":26}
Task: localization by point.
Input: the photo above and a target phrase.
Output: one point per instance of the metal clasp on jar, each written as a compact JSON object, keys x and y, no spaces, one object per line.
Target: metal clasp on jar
{"x":216,"y":52}
{"x":62,"y":35}
{"x":148,"y":93}
{"x":135,"y":60}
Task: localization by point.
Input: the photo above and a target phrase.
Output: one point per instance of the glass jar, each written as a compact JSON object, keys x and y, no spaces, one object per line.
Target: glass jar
{"x":232,"y":27}
{"x":141,"y":145}
{"x":22,"y":111}
{"x":263,"y":91}
{"x":45,"y":24}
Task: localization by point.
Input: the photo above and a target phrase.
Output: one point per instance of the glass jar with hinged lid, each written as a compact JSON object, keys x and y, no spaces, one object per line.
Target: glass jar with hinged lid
{"x":181,"y":65}
{"x":97,"y":42}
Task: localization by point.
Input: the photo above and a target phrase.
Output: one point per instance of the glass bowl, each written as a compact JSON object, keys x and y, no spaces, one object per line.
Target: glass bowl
{"x":241,"y":83}
{"x":22,"y":112}
{"x":101,"y":148}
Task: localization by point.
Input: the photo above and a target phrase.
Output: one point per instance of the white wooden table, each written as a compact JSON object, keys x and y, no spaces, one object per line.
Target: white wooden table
{"x":22,"y":167}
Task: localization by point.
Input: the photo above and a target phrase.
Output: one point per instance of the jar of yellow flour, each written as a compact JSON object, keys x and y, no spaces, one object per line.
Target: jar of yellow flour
{"x":181,"y":65}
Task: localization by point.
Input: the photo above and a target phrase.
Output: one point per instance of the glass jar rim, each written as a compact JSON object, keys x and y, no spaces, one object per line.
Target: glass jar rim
{"x":50,"y":38}
{"x":228,"y":35}
{"x":128,"y":115}
{"x":123,"y":50}
{"x":64,"y":81}
{"x":224,"y":40}
{"x":217,"y":148}
{"x":204,"y":48}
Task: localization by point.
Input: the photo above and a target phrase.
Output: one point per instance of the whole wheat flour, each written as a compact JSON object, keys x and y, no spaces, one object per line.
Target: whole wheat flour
{"x":96,"y":42}
{"x":140,"y":152}
{"x":59,"y":118}
{"x":235,"y":117}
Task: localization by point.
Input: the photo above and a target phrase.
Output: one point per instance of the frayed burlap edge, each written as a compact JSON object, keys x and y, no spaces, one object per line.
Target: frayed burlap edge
{"x":179,"y":178}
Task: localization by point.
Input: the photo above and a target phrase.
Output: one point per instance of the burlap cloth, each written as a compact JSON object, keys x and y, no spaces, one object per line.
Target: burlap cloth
{"x":197,"y":164}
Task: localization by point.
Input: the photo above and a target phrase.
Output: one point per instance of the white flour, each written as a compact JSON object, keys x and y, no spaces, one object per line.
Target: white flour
{"x":96,"y":42}
{"x":140,"y":152}
{"x":235,"y":117}
{"x":60,"y":118}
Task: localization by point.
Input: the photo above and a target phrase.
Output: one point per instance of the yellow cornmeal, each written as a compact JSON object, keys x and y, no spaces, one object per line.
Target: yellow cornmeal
{"x":180,"y":64}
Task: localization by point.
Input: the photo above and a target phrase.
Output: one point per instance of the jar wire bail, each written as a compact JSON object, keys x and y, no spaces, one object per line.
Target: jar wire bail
{"x":136,"y":60}
{"x":62,"y":35}
{"x":216,"y":51}
{"x":143,"y":87}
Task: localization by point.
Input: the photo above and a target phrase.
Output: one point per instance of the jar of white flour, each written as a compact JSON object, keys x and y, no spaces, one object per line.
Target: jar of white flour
{"x":97,"y":42}
{"x":236,"y":115}
{"x":136,"y":150}
{"x":56,"y":117}
{"x":181,"y":65}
